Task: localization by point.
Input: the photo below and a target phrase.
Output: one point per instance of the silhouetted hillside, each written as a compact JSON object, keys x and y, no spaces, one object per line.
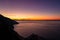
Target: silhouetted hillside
{"x":7,"y":32}
{"x":6,"y":29}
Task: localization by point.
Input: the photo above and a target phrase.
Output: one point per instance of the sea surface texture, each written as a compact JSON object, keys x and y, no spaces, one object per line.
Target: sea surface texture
{"x":46,"y":29}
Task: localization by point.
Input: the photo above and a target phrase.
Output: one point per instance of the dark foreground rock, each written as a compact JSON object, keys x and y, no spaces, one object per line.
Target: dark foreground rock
{"x":6,"y":29}
{"x":34,"y":37}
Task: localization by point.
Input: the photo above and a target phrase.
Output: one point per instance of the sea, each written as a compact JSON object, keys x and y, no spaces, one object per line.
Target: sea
{"x":46,"y":29}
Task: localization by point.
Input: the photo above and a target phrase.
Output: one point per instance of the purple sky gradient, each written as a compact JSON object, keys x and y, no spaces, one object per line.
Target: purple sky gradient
{"x":30,"y":7}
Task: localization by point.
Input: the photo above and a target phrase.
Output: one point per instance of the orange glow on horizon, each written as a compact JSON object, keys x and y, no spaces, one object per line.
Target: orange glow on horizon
{"x":33,"y":18}
{"x":30,"y":17}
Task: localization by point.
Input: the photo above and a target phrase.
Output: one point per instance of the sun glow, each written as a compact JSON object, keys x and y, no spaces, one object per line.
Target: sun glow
{"x":30,"y":17}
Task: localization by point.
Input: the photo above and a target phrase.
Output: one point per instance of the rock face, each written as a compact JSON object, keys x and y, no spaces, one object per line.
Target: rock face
{"x":34,"y":37}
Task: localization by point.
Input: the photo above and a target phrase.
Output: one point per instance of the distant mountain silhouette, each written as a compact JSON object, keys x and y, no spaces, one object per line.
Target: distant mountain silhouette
{"x":34,"y":37}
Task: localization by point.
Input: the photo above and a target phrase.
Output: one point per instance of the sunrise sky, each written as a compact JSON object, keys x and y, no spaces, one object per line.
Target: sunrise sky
{"x":31,"y":9}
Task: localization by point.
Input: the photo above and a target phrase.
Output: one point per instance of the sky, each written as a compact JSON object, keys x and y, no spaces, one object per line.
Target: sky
{"x":30,"y":9}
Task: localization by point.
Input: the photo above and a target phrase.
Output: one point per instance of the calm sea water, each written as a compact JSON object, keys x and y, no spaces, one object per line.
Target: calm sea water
{"x":47,"y":29}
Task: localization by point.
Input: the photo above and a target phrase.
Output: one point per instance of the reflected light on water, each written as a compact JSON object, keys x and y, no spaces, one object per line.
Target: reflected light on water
{"x":46,"y":29}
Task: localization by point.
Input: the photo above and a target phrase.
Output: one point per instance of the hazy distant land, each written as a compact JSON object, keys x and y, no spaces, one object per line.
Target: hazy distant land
{"x":34,"y":20}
